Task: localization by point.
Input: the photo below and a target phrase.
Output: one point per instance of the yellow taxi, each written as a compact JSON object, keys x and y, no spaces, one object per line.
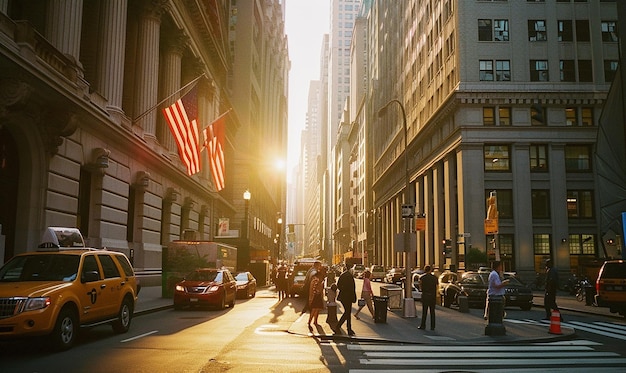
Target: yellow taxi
{"x":611,"y":286}
{"x":63,"y":286}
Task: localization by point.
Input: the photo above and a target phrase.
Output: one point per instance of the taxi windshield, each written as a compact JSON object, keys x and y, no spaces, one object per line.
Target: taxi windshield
{"x":52,"y":267}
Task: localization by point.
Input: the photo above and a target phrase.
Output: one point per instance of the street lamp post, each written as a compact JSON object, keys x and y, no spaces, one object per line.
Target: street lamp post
{"x":279,"y":221}
{"x":245,"y":230}
{"x":409,"y":303}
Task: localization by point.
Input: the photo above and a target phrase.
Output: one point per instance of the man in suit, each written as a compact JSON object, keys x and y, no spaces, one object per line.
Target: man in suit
{"x":428,"y":283}
{"x":347,"y":296}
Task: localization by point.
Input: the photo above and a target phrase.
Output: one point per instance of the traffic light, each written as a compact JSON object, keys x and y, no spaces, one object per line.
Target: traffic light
{"x":447,"y":247}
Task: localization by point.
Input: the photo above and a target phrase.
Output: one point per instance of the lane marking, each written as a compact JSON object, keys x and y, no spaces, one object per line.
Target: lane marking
{"x":139,"y":336}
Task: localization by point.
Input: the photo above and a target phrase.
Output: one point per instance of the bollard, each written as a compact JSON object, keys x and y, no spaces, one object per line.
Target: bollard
{"x":496,"y":312}
{"x":331,"y":316}
{"x":463,"y":303}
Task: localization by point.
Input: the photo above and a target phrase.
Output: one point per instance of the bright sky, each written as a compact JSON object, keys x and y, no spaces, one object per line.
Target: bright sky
{"x":306,"y":21}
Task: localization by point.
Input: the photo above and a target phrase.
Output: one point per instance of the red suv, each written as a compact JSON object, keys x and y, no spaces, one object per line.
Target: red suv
{"x":206,"y":287}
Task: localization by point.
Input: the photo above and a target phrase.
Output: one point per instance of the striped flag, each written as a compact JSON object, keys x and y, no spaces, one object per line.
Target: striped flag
{"x":214,"y":141}
{"x":182,"y":119}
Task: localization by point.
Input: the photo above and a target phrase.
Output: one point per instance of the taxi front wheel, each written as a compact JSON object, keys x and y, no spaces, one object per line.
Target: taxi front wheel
{"x":64,"y":334}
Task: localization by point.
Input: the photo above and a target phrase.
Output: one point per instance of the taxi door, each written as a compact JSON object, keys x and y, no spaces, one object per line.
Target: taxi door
{"x":111,"y":289}
{"x":91,"y":284}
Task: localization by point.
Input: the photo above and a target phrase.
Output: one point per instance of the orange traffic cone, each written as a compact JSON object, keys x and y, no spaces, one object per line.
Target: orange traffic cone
{"x":555,"y":322}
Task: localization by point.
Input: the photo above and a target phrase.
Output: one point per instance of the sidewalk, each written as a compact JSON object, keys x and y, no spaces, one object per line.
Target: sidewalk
{"x":452,"y":326}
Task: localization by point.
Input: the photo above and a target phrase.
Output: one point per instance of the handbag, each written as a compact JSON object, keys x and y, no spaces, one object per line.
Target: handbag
{"x":361,"y":302}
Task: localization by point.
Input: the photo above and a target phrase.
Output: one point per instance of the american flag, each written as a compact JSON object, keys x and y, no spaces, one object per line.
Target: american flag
{"x":214,"y":142}
{"x":182,"y":118}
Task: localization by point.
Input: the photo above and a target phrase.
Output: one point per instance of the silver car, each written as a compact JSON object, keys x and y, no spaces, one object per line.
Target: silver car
{"x":378,"y":272}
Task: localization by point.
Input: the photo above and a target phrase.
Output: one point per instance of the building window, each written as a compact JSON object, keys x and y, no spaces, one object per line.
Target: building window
{"x":497,"y":158}
{"x":501,"y":30}
{"x":577,"y":158}
{"x":609,"y":31}
{"x":567,"y":71}
{"x":537,"y":30}
{"x":539,"y":71}
{"x":610,"y":67}
{"x":580,"y":204}
{"x":484,"y":30}
{"x":489,"y":116}
{"x":587,"y":116}
{"x":538,"y":115}
{"x":504,"y":202}
{"x":506,"y":245}
{"x":565,"y":30}
{"x":585,"y":73}
{"x":503,"y":70}
{"x":486,"y":70}
{"x":540,"y":203}
{"x":582,"y":244}
{"x":538,"y":158}
{"x":541,"y":244}
{"x":504,"y":114}
{"x":582,"y":30}
{"x":571,"y":117}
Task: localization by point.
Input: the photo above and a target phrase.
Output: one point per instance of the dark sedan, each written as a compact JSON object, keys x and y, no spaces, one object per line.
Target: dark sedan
{"x":246,"y":285}
{"x":206,"y":287}
{"x":475,"y":285}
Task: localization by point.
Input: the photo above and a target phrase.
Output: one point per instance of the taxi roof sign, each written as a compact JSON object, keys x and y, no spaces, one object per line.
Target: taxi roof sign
{"x":62,"y":237}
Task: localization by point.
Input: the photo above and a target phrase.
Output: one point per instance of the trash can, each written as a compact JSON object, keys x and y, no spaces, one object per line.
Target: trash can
{"x":380,"y":309}
{"x":394,"y":293}
{"x":590,"y":293}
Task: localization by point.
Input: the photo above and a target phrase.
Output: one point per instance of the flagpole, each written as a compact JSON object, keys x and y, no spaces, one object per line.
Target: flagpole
{"x":168,"y":97}
{"x":213,"y":121}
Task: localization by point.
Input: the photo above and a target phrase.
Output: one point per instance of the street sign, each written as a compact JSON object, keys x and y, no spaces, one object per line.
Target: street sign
{"x":420,"y":224}
{"x":491,"y":226}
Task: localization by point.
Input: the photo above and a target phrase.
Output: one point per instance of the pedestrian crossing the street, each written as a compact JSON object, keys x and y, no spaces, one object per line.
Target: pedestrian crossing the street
{"x":606,"y":329}
{"x":562,"y":356}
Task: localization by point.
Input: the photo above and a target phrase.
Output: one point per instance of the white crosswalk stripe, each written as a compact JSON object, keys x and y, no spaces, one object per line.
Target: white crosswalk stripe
{"x":563,"y":356}
{"x":612,"y":330}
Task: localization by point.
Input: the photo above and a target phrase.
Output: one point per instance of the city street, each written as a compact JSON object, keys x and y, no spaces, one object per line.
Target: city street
{"x":262,"y":334}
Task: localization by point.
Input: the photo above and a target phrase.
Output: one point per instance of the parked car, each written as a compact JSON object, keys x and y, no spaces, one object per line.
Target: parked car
{"x":395,"y":275}
{"x":474,"y":285}
{"x":206,"y":287}
{"x":357,"y":270}
{"x":63,"y":286}
{"x":417,"y":290}
{"x":378,"y":272}
{"x":246,"y":285}
{"x":611,"y":286}
{"x":445,"y":279}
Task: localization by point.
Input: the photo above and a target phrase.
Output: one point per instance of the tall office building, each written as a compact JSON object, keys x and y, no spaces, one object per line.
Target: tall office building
{"x":342,"y":15}
{"x":502,"y":99}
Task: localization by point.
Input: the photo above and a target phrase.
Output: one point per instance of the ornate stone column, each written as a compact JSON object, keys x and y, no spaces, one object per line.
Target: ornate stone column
{"x":111,"y":52}
{"x":63,"y":26}
{"x":174,"y":44}
{"x":147,"y":66}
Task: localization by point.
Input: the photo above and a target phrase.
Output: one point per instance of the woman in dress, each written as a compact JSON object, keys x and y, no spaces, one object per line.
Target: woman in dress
{"x":366,"y":293}
{"x":316,"y":297}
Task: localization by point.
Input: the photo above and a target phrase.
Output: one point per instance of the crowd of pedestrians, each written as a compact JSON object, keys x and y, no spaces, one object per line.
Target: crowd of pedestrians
{"x":321,"y":290}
